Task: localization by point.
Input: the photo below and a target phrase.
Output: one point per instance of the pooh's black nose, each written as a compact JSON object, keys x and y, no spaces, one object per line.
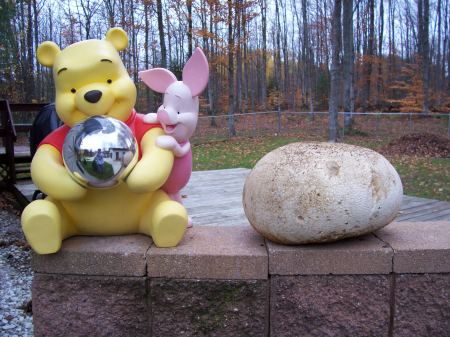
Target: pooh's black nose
{"x":93,"y":96}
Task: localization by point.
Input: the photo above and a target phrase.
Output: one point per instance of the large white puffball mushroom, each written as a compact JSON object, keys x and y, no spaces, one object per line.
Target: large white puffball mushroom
{"x":321,"y":192}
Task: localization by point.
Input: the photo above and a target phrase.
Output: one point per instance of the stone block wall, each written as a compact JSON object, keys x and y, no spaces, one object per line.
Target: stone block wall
{"x":229,"y":281}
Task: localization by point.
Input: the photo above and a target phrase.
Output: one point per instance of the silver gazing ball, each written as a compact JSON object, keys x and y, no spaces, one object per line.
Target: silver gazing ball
{"x":99,"y":151}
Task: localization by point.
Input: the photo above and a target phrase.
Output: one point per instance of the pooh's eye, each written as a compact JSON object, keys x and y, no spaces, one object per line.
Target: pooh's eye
{"x":73,"y":90}
{"x":109,"y":81}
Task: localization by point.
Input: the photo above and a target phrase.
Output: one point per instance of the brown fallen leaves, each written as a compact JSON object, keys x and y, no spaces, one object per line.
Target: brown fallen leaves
{"x":418,"y":144}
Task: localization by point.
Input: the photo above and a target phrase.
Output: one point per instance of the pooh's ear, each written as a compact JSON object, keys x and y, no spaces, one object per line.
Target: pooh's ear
{"x":118,"y":38}
{"x":46,"y":53}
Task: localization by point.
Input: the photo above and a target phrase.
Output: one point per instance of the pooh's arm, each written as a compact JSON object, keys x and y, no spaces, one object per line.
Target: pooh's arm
{"x":152,"y":171}
{"x":51,"y":177}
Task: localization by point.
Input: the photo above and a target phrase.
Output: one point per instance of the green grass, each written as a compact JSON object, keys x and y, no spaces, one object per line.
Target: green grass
{"x":104,"y":175}
{"x":355,"y":132}
{"x":370,"y":143}
{"x":422,"y":177}
{"x":241,"y":152}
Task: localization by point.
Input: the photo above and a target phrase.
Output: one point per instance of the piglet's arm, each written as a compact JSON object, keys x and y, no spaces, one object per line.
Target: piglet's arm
{"x":152,"y":171}
{"x":182,"y":150}
{"x":169,"y":143}
{"x":151,"y":118}
{"x":51,"y":177}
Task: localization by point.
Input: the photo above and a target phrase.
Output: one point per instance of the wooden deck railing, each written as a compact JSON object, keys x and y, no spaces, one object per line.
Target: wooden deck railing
{"x":8,"y":135}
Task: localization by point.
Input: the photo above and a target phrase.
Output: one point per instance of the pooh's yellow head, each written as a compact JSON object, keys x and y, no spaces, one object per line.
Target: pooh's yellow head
{"x":90,"y":78}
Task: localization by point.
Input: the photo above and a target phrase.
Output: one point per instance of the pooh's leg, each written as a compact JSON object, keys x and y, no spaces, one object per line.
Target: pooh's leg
{"x":177,"y":197}
{"x":45,"y":225}
{"x":165,"y":221}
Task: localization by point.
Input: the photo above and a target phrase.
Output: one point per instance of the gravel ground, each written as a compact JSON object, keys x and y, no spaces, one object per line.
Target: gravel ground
{"x":15,"y":278}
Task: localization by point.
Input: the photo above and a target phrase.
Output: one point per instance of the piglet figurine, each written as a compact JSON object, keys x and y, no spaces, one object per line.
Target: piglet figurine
{"x":178,"y":114}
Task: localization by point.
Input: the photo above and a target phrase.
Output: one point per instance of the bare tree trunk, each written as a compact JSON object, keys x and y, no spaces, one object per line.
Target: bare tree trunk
{"x":348,"y":61}
{"x":334,"y":72}
{"x":170,"y":34}
{"x":38,"y":79}
{"x":392,"y":38}
{"x":9,"y":52}
{"x":24,"y":89}
{"x":425,"y":55}
{"x":286,"y":80}
{"x":89,"y":9}
{"x":380,"y":54}
{"x":30,"y":55}
{"x":238,"y":16}
{"x":303,"y":41}
{"x":444,"y":50}
{"x":162,"y":41}
{"x":148,"y":94}
{"x":325,"y":42}
{"x":212,"y":85}
{"x":50,"y":92}
{"x":206,"y":49}
{"x":369,"y":54}
{"x":448,"y":59}
{"x":307,"y":59}
{"x":231,"y":96}
{"x":123,"y":23}
{"x":246,"y":65}
{"x":357,"y":52}
{"x":253,"y":82}
{"x":438,"y":56}
{"x":110,"y":6}
{"x":263,"y":4}
{"x":189,"y":32}
{"x":134,"y":49}
{"x":277,"y":55}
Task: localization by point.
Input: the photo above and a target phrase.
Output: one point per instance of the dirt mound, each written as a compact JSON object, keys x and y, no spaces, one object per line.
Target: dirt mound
{"x":418,"y":144}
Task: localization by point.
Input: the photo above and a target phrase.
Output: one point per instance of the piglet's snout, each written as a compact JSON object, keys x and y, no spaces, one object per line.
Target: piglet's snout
{"x":167,"y":115}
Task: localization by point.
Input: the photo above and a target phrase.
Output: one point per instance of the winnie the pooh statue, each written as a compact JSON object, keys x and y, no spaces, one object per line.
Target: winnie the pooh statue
{"x":91,"y":80}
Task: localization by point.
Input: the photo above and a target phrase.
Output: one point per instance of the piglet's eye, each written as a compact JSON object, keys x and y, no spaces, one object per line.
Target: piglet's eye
{"x":178,"y":112}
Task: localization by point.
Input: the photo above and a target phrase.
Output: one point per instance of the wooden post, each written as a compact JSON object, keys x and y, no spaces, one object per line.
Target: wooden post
{"x":8,"y":133}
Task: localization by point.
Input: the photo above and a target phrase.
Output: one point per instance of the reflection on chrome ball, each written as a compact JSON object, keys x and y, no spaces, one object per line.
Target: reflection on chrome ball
{"x":100,"y":151}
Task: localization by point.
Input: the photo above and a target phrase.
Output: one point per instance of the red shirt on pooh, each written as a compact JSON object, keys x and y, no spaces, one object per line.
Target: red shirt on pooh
{"x":134,"y":122}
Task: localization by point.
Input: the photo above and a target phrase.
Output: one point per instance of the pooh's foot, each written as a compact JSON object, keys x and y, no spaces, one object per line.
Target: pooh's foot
{"x":169,"y":224}
{"x":41,"y":224}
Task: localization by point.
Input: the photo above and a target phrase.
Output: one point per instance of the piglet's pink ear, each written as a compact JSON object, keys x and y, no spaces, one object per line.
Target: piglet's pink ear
{"x":157,"y":79}
{"x":196,"y":72}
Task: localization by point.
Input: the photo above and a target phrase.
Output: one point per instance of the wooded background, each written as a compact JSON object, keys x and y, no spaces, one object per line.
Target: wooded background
{"x":300,"y":55}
